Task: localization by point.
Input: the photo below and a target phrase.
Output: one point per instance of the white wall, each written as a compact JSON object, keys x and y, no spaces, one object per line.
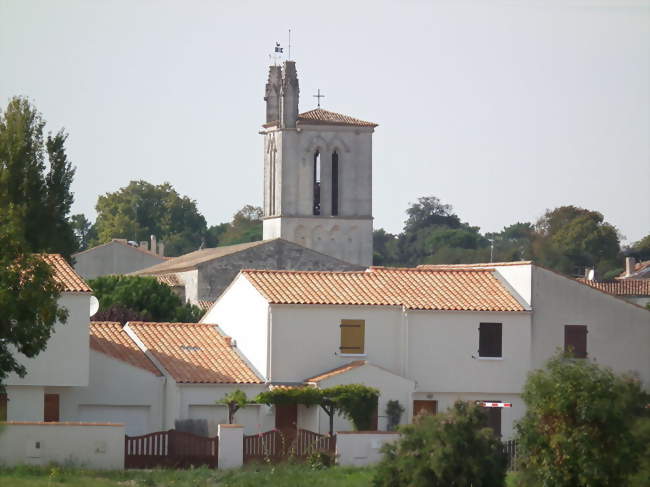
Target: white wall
{"x":112,"y":258}
{"x":443,"y":352}
{"x":25,"y":403}
{"x":65,"y":360}
{"x":361,"y":449}
{"x":519,"y":277}
{"x":242,"y":313}
{"x":306,"y":339}
{"x":117,"y":392}
{"x":618,"y":333}
{"x":190,"y":280}
{"x":91,"y":446}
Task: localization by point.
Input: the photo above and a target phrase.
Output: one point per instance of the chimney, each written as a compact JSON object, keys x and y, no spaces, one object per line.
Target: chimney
{"x":629,"y":266}
{"x":161,"y":249}
{"x":144,"y":245}
{"x":228,"y":341}
{"x":153,"y":247}
{"x":290,"y":92}
{"x":272,"y":94}
{"x":590,"y":274}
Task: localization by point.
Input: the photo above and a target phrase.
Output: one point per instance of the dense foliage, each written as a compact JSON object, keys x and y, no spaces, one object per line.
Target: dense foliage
{"x":567,"y":239}
{"x":246,"y":226}
{"x":579,"y":426}
{"x":234,"y":401}
{"x":142,"y":209}
{"x":394,"y":411}
{"x":28,"y":298}
{"x":145,"y":296}
{"x":446,"y":450}
{"x":35,"y":179}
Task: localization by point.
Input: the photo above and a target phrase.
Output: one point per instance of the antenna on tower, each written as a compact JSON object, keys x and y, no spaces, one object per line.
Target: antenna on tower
{"x":289,"y":47}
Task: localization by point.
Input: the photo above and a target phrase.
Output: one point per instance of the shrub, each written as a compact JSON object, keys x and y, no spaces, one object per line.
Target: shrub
{"x":446,"y":450}
{"x":578,"y":429}
{"x":394,"y":411}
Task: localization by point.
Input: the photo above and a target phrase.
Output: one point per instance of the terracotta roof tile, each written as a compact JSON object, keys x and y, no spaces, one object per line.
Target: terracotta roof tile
{"x":205,"y":305}
{"x":194,"y":353}
{"x":110,"y":339}
{"x":171,"y":280}
{"x":474,"y":266}
{"x":339,"y":370}
{"x":325,"y":117}
{"x":451,"y":289}
{"x":638,"y":267}
{"x":622,"y":287}
{"x":65,"y":275}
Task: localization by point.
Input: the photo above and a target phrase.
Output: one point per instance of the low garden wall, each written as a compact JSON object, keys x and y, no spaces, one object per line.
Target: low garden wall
{"x":88,"y":445}
{"x":359,"y":448}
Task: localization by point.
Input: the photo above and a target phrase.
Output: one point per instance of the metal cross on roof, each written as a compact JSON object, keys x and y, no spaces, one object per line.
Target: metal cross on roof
{"x":318,"y":96}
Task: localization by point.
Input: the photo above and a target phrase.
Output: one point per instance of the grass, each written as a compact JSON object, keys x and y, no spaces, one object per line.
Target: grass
{"x":250,"y":476}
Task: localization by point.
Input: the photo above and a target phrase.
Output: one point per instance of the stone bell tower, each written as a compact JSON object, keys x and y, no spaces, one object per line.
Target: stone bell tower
{"x":317,"y":173}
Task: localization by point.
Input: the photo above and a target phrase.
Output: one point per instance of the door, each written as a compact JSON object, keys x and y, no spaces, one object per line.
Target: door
{"x":425,"y":407}
{"x":286,"y":417}
{"x":51,"y":408}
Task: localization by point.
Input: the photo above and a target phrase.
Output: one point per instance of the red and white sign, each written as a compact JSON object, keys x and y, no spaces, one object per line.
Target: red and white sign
{"x":494,"y":404}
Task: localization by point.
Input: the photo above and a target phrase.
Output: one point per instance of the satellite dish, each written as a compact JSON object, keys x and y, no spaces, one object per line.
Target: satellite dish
{"x":591,"y":274}
{"x":94,"y":305}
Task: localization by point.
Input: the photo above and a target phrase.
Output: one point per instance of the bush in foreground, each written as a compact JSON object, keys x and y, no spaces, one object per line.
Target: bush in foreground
{"x":582,"y":426}
{"x":445,"y":450}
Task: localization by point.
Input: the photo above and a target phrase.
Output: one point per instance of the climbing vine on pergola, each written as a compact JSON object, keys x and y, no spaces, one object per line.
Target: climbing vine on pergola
{"x":355,"y":401}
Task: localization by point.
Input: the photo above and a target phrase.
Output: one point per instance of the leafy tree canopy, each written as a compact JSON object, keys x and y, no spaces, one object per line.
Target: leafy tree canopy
{"x":142,"y":209}
{"x":246,"y":226}
{"x":578,"y":429}
{"x":641,"y":249}
{"x":234,"y":401}
{"x":144,"y":296}
{"x":28,"y":298}
{"x":445,"y":450}
{"x":35,"y":179}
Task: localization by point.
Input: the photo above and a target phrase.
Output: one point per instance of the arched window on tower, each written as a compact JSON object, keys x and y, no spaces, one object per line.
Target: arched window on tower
{"x":335,"y":183}
{"x":272,"y":171}
{"x":317,"y":183}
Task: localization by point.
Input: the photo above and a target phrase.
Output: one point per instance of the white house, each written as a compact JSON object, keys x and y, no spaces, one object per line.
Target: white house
{"x":427,"y":336}
{"x":63,"y":365}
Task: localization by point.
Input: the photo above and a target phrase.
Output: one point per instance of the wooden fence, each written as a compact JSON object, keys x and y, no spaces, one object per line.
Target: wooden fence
{"x":276,"y":446}
{"x":173,"y":449}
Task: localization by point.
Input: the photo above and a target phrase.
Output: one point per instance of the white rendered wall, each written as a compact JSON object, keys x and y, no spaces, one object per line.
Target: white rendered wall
{"x":231,"y":446}
{"x":242,"y":313}
{"x":190,"y":280}
{"x":118,"y":391}
{"x":92,"y":446}
{"x":65,"y":360}
{"x":25,"y":403}
{"x":112,"y":258}
{"x":618,"y":333}
{"x":443,"y":352}
{"x":306,"y":339}
{"x":519,"y":278}
{"x":361,"y":449}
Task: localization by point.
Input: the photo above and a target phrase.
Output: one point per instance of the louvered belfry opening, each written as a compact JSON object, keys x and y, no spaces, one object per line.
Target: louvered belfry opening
{"x":317,"y":183}
{"x":335,"y":183}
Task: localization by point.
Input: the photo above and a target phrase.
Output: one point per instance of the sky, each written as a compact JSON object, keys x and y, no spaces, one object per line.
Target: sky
{"x":502,"y":109}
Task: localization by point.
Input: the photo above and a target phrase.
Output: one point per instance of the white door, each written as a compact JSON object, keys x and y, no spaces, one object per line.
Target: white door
{"x":135,"y":418}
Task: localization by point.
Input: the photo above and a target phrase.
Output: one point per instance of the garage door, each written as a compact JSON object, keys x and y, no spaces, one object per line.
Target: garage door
{"x":135,"y":418}
{"x":249,"y":417}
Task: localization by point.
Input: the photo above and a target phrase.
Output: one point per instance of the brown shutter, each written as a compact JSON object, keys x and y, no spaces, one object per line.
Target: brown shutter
{"x":352,"y":336}
{"x":489,"y":343}
{"x":575,"y":340}
{"x":3,"y":407}
{"x":51,"y":408}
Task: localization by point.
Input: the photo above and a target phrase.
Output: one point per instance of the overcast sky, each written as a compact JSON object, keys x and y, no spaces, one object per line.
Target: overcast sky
{"x":500,"y":108}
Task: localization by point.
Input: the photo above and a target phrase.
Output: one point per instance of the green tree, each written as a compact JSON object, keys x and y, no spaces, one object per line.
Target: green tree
{"x":142,"y":209}
{"x":234,"y":401}
{"x":144,"y":296}
{"x":35,"y":179}
{"x":384,"y":246}
{"x":641,"y":249}
{"x":578,"y":429}
{"x":451,"y":449}
{"x":246,"y":226}
{"x":28,"y":298}
{"x":83,"y":230}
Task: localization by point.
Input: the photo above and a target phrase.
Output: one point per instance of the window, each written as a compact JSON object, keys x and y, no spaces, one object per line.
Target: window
{"x":575,"y":340}
{"x":3,"y":407}
{"x":493,"y":419}
{"x":272,"y":171}
{"x":335,"y":184}
{"x":51,"y":408}
{"x":352,"y":336}
{"x":317,"y":183}
{"x":489,"y":341}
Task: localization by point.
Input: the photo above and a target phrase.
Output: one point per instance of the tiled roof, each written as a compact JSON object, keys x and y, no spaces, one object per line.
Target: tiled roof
{"x":193,"y":259}
{"x":474,"y":266}
{"x":123,"y":242}
{"x":453,"y":290}
{"x":339,"y":370}
{"x":194,"y":353}
{"x":205,"y":305}
{"x":110,"y":339}
{"x":622,"y":287}
{"x":64,"y":274}
{"x":171,"y":280}
{"x":325,"y":117}
{"x":638,"y":268}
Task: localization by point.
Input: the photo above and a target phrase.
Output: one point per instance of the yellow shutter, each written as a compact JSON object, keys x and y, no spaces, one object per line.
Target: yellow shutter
{"x":352,"y":336}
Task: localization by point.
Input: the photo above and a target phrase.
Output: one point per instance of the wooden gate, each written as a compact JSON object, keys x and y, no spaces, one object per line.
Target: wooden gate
{"x":276,"y":445}
{"x":172,"y":449}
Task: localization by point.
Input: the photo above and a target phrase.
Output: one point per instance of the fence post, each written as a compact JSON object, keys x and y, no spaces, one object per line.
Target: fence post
{"x":231,"y":445}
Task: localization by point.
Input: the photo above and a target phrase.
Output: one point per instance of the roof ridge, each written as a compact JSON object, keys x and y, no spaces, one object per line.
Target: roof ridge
{"x":169,"y":323}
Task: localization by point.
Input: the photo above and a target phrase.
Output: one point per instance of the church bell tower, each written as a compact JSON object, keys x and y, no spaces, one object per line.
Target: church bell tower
{"x":317,"y":173}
